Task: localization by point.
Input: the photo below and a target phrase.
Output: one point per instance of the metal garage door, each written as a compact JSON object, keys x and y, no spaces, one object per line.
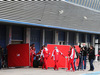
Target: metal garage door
{"x":81,"y":37}
{"x":61,"y":36}
{"x":48,"y":37}
{"x":35,"y":38}
{"x":89,"y":38}
{"x":3,"y":36}
{"x":17,"y":33}
{"x":72,"y":38}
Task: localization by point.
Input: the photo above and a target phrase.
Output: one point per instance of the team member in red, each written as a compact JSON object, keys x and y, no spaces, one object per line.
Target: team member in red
{"x":33,"y":47}
{"x":55,"y":56}
{"x":32,"y":54}
{"x":71,"y":58}
{"x":45,"y":54}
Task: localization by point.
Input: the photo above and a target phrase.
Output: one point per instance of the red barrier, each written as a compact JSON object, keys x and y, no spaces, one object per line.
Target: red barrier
{"x":18,"y":55}
{"x":62,"y":61}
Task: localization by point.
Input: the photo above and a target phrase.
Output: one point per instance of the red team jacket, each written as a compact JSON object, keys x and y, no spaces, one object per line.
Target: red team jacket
{"x":55,"y":54}
{"x":72,"y":53}
{"x":32,"y":53}
{"x":45,"y":53}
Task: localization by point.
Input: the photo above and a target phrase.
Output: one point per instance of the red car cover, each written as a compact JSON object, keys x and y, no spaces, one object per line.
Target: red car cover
{"x":18,"y":55}
{"x":63,"y":62}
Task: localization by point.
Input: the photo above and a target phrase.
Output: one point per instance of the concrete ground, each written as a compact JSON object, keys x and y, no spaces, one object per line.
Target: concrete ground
{"x":39,"y":71}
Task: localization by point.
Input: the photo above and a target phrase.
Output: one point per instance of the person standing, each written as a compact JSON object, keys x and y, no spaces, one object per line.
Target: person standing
{"x":84,"y":56}
{"x":71,"y":58}
{"x":33,"y":47}
{"x":91,"y":57}
{"x":32,"y":54}
{"x":80,"y":66}
{"x":76,"y":57}
{"x":55,"y":56}
{"x":45,"y":54}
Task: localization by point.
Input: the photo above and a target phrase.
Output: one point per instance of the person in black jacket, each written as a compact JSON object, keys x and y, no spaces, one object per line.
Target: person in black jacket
{"x":80,"y":66}
{"x":91,"y":57}
{"x":84,"y":49}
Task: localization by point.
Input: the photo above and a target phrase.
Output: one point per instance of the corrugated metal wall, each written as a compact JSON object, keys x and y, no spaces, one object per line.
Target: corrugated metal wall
{"x":95,"y":4}
{"x":50,"y":13}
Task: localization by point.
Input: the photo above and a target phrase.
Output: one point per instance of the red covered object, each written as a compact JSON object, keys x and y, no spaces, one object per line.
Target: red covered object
{"x":18,"y":55}
{"x":63,"y":62}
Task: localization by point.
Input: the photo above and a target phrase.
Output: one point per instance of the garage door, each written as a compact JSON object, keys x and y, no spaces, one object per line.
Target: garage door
{"x":3,"y":36}
{"x":48,"y":37}
{"x":35,"y":38}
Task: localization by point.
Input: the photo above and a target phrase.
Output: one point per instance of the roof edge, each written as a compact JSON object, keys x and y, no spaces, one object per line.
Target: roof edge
{"x":47,"y":26}
{"x":82,"y":6}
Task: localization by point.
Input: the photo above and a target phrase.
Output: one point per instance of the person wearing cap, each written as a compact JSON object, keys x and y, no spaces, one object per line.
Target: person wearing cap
{"x":55,"y":56}
{"x":45,"y":54}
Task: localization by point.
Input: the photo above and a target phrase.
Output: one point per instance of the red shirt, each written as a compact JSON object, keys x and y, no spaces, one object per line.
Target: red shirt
{"x":45,"y":53}
{"x":32,"y":53}
{"x":56,"y":54}
{"x":72,"y":53}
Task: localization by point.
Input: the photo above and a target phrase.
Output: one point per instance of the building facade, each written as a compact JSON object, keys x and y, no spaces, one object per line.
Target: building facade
{"x":47,"y":22}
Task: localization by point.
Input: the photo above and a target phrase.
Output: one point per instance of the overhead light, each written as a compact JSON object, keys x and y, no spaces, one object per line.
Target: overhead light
{"x":61,"y":12}
{"x":85,"y":17}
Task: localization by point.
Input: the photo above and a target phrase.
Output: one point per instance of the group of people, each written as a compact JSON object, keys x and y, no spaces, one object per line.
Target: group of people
{"x":84,"y":55}
{"x":44,"y":54}
{"x":73,"y":55}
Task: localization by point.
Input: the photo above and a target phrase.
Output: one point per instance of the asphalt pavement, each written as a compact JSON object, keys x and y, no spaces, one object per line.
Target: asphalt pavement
{"x":50,"y":71}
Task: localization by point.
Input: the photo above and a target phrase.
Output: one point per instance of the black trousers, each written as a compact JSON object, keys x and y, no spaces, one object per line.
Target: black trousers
{"x":91,"y":64}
